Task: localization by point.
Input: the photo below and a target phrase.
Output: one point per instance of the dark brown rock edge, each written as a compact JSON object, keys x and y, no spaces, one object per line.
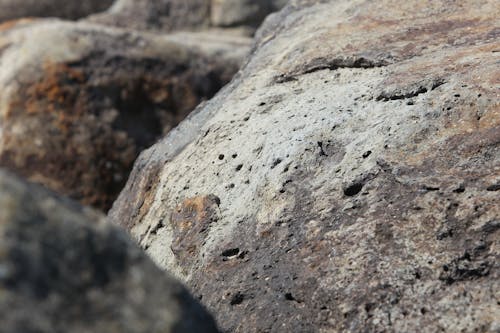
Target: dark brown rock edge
{"x":64,"y":269}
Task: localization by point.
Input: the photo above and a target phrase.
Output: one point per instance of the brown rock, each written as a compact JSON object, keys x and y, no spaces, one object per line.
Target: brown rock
{"x":79,"y":101}
{"x":357,"y":162}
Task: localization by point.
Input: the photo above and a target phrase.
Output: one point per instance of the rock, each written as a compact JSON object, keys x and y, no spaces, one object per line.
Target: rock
{"x":356,"y":164}
{"x":172,"y":15}
{"x":14,"y":9}
{"x":78,"y":101}
{"x":157,"y":15}
{"x":242,"y":12}
{"x":64,"y":269}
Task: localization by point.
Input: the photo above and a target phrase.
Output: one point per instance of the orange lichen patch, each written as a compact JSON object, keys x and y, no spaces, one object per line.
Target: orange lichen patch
{"x":7,"y":25}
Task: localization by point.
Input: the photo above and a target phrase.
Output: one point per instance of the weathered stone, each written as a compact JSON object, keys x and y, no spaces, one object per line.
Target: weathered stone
{"x":226,"y":13}
{"x":357,"y":162}
{"x":14,"y":9}
{"x":157,"y":15}
{"x":78,"y":102}
{"x":64,"y":269}
{"x":171,"y":15}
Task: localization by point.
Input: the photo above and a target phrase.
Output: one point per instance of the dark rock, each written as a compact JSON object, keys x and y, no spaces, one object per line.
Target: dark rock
{"x":64,"y":269}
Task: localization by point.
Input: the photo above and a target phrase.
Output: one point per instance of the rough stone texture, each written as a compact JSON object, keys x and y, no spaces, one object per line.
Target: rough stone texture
{"x":172,"y":15}
{"x":64,"y":269}
{"x":78,"y":102}
{"x":355,"y":164}
{"x":14,"y":9}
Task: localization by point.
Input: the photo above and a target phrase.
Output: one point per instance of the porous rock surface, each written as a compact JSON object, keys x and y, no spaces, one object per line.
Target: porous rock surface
{"x":79,"y":101}
{"x":347,"y":181}
{"x":63,"y":268}
{"x":14,"y":9}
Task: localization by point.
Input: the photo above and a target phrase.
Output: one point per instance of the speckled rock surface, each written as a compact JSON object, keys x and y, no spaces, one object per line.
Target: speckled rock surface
{"x":347,"y":181}
{"x":78,"y":101}
{"x":64,"y":269}
{"x":14,"y":9}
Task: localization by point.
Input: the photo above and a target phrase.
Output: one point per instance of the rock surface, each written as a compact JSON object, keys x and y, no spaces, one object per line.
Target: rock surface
{"x":346,"y":181}
{"x":172,"y":15}
{"x":224,"y":13}
{"x":78,"y":101}
{"x":157,"y":15}
{"x":14,"y":9}
{"x":64,"y":269}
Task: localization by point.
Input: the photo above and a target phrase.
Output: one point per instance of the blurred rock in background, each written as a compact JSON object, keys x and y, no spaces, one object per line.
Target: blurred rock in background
{"x":78,"y":102}
{"x":64,"y":269}
{"x":68,"y":9}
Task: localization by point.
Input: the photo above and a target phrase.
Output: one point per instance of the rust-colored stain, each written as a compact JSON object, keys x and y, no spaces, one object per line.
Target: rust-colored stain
{"x":60,"y":92}
{"x":7,"y":25}
{"x":191,"y":221}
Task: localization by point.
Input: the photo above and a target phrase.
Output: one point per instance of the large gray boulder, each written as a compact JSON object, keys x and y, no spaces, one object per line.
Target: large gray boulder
{"x":64,"y":269}
{"x":346,"y":181}
{"x":79,"y":101}
{"x":14,"y":9}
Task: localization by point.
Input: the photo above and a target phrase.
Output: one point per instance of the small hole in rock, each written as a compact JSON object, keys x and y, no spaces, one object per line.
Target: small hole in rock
{"x":368,"y":153}
{"x":238,"y":298}
{"x":238,"y":168}
{"x":431,"y":188}
{"x":221,"y":157}
{"x":276,"y":162}
{"x":493,"y":188}
{"x":231,"y":252}
{"x":289,"y":297}
{"x":353,"y":189}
